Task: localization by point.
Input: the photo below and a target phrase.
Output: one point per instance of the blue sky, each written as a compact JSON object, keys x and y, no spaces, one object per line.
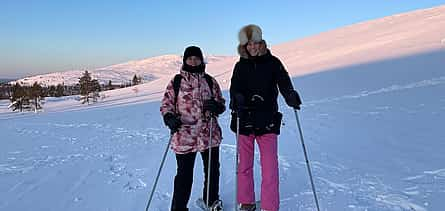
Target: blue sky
{"x":41,"y":36}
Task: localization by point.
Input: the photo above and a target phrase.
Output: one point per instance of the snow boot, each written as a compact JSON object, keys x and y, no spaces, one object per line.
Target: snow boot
{"x":247,"y":207}
{"x":216,"y":206}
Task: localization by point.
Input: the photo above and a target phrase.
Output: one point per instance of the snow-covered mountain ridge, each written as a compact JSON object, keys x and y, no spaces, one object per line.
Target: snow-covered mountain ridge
{"x":388,"y":37}
{"x":395,"y":36}
{"x":149,"y":69}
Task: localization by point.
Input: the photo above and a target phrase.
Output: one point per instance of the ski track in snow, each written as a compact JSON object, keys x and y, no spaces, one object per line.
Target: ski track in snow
{"x":424,"y":183}
{"x":74,"y":187}
{"x":393,"y":88}
{"x":27,"y":164}
{"x":30,"y":186}
{"x":370,"y":190}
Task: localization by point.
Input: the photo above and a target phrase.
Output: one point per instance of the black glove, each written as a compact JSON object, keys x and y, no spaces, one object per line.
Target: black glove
{"x":173,"y":122}
{"x":293,"y":100}
{"x":213,"y":107}
{"x":238,"y":102}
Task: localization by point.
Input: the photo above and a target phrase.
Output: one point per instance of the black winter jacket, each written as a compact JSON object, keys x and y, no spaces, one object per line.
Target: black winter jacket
{"x":258,"y":80}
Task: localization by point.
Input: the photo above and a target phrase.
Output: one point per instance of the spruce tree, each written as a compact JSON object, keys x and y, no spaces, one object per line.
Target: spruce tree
{"x":95,"y":90}
{"x":52,"y":91}
{"x":36,"y":95}
{"x":110,"y":85}
{"x":85,"y":87}
{"x":59,"y":90}
{"x":89,"y":89}
{"x":135,"y":80}
{"x":17,"y":97}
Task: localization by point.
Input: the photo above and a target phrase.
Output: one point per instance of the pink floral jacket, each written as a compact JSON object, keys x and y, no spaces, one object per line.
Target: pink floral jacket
{"x":193,"y":134}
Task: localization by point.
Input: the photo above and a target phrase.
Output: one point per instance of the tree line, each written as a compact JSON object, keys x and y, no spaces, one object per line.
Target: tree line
{"x":31,"y":98}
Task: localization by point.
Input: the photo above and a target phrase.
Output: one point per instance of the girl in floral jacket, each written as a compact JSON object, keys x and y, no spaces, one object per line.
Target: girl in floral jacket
{"x":189,"y":114}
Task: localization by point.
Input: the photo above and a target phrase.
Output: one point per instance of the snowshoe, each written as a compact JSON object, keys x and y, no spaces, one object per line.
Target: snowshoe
{"x":216,"y":206}
{"x":250,"y":207}
{"x":247,"y":207}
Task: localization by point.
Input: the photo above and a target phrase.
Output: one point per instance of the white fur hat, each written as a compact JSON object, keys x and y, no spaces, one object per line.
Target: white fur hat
{"x":248,"y":33}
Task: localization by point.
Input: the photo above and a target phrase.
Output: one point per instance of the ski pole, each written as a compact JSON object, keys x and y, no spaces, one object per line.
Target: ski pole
{"x":209,"y":163}
{"x":307,"y":160}
{"x":236,"y":161}
{"x":159,"y":173}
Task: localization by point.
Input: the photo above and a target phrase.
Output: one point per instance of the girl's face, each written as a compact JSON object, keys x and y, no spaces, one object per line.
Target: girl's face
{"x":193,"y":61}
{"x":253,"y":48}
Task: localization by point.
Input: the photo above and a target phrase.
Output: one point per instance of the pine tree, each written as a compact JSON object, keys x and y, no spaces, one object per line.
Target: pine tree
{"x":18,"y":98}
{"x":85,"y":87}
{"x":95,"y":90}
{"x":135,"y":80}
{"x":110,"y":85}
{"x":59,"y":90}
{"x":5,"y":91}
{"x":52,"y":91}
{"x":36,"y":95}
{"x":89,"y":89}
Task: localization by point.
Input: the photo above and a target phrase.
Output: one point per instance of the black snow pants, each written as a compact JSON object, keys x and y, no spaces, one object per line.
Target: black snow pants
{"x":184,"y":178}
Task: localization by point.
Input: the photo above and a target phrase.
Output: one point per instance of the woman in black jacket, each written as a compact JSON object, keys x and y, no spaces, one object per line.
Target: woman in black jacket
{"x":257,"y":78}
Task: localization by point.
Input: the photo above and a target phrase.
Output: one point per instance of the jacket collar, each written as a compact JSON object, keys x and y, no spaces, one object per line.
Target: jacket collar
{"x":189,"y":75}
{"x":258,"y":59}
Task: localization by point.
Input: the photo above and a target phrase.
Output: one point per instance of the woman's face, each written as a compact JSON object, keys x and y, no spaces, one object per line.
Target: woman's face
{"x":253,"y":48}
{"x":193,"y":61}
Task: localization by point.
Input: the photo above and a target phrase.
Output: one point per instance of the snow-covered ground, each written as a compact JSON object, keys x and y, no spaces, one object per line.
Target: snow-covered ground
{"x":374,"y":134}
{"x":373,"y":129}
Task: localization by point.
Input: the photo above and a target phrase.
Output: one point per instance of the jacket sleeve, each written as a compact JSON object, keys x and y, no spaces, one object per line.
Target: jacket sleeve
{"x":218,"y":94}
{"x":284,"y":82}
{"x":235,"y":85}
{"x":168,"y":104}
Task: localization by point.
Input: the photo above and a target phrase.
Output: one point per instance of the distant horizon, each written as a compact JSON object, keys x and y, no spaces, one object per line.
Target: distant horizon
{"x":49,"y":36}
{"x":6,"y":79}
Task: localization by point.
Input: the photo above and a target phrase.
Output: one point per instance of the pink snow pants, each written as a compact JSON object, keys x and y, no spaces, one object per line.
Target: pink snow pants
{"x":269,"y":171}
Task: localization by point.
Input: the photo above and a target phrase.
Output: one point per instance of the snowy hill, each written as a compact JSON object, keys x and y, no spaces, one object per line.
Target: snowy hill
{"x":372,"y":120}
{"x":149,"y":69}
{"x":390,"y":37}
